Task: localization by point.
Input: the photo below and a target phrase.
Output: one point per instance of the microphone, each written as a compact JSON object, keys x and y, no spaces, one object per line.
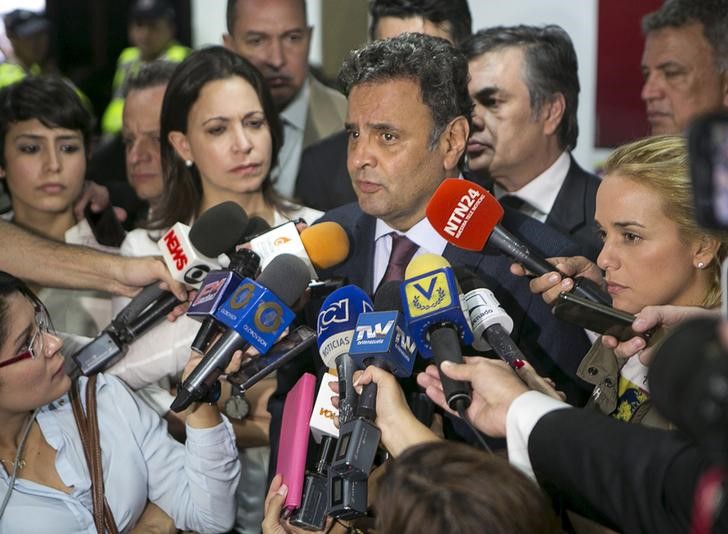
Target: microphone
{"x":150,"y":306}
{"x":322,"y":417}
{"x":256,"y":314}
{"x":380,"y":339}
{"x":491,"y":324}
{"x":191,"y":253}
{"x":436,"y":321}
{"x":320,"y":246}
{"x":335,"y":327}
{"x":467,"y":216}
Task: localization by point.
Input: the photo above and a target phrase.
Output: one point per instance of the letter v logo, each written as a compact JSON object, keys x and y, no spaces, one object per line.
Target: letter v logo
{"x":427,"y":293}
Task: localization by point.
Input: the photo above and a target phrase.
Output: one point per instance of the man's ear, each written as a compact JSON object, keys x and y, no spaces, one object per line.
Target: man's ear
{"x":552,"y":113}
{"x":179,"y":141}
{"x":724,"y":88}
{"x":227,"y":41}
{"x":454,"y":140}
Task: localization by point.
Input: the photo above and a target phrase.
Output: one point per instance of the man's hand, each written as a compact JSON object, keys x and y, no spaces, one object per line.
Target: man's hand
{"x":495,"y":387}
{"x":648,"y":318}
{"x":97,"y":197}
{"x":130,"y":275}
{"x":549,"y":285}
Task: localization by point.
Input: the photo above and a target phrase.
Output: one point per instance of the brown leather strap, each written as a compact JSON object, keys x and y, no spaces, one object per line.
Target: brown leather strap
{"x":88,"y":430}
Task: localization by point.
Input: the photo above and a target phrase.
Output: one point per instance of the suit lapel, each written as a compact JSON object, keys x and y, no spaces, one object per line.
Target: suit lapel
{"x":568,"y":211}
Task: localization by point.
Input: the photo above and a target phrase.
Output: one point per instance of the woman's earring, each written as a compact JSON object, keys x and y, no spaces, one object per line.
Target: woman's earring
{"x":701,"y":265}
{"x":188,"y":162}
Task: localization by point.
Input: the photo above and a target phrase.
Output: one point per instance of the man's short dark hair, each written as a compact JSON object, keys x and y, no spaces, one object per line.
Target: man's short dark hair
{"x":712,"y":14}
{"x":549,"y":67}
{"x":439,"y":69}
{"x":231,"y":14}
{"x":152,"y":74}
{"x":453,"y":13}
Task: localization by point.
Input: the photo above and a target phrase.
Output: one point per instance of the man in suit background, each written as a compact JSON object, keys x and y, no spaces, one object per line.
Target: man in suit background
{"x":323,"y":180}
{"x":274,"y":36}
{"x":685,"y":62}
{"x":524,"y":82}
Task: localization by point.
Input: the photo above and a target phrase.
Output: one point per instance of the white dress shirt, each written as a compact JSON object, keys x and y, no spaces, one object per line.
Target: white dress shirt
{"x":541,"y":192}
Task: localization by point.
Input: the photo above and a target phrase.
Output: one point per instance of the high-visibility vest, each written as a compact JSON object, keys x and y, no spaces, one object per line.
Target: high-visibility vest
{"x":128,"y":65}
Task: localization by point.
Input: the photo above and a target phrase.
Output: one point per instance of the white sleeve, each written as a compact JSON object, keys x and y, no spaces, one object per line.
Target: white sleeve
{"x":195,"y":483}
{"x":522,"y":416}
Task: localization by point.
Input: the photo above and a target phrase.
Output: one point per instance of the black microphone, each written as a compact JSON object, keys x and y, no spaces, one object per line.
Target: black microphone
{"x":255,"y":315}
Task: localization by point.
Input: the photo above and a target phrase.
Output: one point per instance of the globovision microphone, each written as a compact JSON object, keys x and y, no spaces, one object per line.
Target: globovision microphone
{"x":335,"y":327}
{"x":467,"y":216}
{"x":255,"y":315}
{"x":436,"y":321}
{"x":380,"y":339}
{"x":491,"y":324}
{"x":215,"y":289}
{"x":191,"y":253}
{"x":320,"y":246}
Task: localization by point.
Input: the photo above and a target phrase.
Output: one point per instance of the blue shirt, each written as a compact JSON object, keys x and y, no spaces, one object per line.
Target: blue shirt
{"x":193,"y":483}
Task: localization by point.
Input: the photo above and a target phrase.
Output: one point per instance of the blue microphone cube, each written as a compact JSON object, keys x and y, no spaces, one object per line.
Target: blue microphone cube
{"x":216,"y":288}
{"x":383,"y":336}
{"x":256,"y":313}
{"x":430,"y":300}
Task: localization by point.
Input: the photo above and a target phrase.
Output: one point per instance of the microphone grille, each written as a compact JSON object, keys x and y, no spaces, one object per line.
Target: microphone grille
{"x":287,"y":276}
{"x":219,"y":229}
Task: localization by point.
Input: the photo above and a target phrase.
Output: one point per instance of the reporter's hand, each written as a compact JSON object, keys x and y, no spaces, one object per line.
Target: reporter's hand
{"x":400,"y":428}
{"x":129,"y":275}
{"x":549,"y":285}
{"x":648,"y":318}
{"x":495,"y":387}
{"x":272,"y":522}
{"x":537,"y":382}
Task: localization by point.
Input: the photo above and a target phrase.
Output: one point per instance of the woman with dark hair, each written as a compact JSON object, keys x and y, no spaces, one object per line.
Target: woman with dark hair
{"x":219,"y":139}
{"x":45,"y":480}
{"x":45,"y":132}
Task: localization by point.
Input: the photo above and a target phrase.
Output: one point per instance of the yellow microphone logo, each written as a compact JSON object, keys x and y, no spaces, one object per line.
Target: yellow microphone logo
{"x":428,"y":294}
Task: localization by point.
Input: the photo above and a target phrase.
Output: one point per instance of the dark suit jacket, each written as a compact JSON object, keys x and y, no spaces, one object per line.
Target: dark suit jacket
{"x":323,"y":179}
{"x":554,"y":348}
{"x":630,"y":477}
{"x":573,"y":210}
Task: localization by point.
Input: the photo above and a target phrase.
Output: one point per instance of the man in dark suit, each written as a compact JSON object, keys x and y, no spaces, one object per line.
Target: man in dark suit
{"x":323,"y":179}
{"x":524,"y":82}
{"x":408,"y":123}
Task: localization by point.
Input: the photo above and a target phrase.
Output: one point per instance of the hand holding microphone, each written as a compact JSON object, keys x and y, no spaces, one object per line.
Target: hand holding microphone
{"x":468,"y":216}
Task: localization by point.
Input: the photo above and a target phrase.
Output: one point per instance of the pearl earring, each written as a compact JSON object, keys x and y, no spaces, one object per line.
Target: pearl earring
{"x":188,"y":162}
{"x":701,"y":265}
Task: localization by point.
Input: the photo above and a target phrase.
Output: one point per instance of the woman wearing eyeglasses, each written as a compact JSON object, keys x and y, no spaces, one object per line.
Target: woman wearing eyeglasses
{"x":44,"y":479}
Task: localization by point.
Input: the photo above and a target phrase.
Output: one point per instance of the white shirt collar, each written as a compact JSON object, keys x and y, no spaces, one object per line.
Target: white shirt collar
{"x":541,"y":192}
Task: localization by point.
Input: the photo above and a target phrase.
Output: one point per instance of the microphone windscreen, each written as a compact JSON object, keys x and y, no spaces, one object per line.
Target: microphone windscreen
{"x":388,"y":297}
{"x":337,"y":320}
{"x":424,"y":263}
{"x":287,"y":277}
{"x":326,"y":244}
{"x":463,"y":213}
{"x":467,"y":279}
{"x":219,"y":229}
{"x":256,"y":225}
